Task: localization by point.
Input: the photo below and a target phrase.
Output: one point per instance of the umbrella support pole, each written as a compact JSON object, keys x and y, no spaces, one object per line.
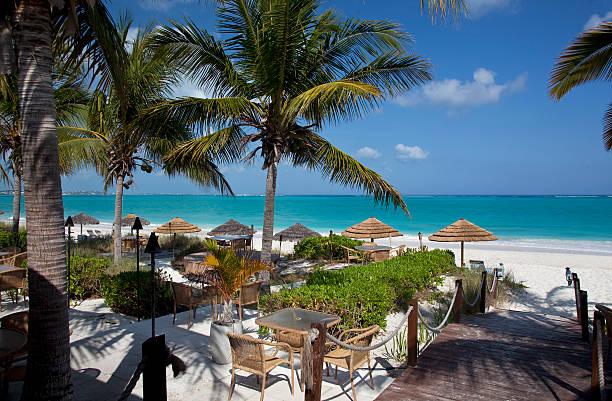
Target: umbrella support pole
{"x":462,"y":264}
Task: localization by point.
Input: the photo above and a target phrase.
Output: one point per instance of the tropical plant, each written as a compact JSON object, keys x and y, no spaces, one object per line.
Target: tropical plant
{"x":112,"y":143}
{"x":27,"y":31}
{"x":229,"y":272}
{"x":282,"y":73}
{"x":587,"y":58}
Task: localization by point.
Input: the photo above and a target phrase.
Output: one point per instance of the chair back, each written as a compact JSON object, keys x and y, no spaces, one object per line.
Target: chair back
{"x":362,"y":340}
{"x":249,"y":292}
{"x":13,"y":279}
{"x":239,"y":244}
{"x":209,"y":292}
{"x":19,"y":259}
{"x":182,"y":293}
{"x":247,"y":352}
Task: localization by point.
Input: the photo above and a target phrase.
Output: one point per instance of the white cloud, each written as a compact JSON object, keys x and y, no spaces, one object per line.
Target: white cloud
{"x":368,"y":153}
{"x":453,"y":93}
{"x":478,"y":8}
{"x":595,"y":20}
{"x":188,"y":88}
{"x":405,"y":153}
{"x":161,"y":5}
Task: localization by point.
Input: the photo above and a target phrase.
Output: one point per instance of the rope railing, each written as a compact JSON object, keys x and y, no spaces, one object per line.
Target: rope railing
{"x":598,"y":379}
{"x":472,"y":304}
{"x":494,"y":282}
{"x":371,"y":347}
{"x":439,"y":327}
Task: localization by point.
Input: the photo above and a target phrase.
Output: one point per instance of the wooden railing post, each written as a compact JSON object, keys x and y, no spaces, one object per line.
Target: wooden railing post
{"x":412,"y":335}
{"x":576,"y":282}
{"x":483,"y":292}
{"x":458,"y":301}
{"x":584,"y":315}
{"x":318,"y":353}
{"x":596,"y":353}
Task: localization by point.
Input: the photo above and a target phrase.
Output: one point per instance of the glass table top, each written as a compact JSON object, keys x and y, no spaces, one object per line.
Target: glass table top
{"x":373,"y":248}
{"x":295,"y":319}
{"x":228,"y":237}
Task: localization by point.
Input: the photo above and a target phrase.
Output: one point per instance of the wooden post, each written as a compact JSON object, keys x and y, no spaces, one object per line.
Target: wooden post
{"x":462,"y":264}
{"x":318,"y":353}
{"x":412,"y":336}
{"x":458,"y":301}
{"x":584,"y":315}
{"x":598,"y":324}
{"x":483,"y":293}
{"x":576,"y":282}
{"x":154,"y":374}
{"x":331,"y":247}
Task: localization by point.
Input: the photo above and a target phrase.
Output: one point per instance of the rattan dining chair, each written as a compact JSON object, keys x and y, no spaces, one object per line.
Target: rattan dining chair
{"x":248,"y":295}
{"x":248,"y":355}
{"x":352,"y":254}
{"x":296,"y":342}
{"x":14,"y":279}
{"x":191,"y":297}
{"x":18,"y":259}
{"x":16,"y":371}
{"x":352,"y":360}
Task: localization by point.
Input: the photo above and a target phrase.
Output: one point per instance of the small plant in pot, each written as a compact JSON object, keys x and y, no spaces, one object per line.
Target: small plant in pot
{"x":229,"y":272}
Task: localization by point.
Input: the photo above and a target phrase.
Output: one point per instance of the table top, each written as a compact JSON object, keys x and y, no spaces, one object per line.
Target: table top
{"x":4,"y":268}
{"x":228,"y":237}
{"x":295,"y":320}
{"x":11,"y":341}
{"x":6,"y":253}
{"x":374,"y":248}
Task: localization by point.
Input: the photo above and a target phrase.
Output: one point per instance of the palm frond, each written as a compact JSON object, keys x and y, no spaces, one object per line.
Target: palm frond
{"x":224,"y":146}
{"x":587,"y":58}
{"x":443,"y":8}
{"x":204,"y":173}
{"x":607,"y":123}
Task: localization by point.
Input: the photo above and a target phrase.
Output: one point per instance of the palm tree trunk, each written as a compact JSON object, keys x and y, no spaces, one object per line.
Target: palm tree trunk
{"x":117,"y":221}
{"x":268,"y":223}
{"x":16,"y":204}
{"x":48,"y":366}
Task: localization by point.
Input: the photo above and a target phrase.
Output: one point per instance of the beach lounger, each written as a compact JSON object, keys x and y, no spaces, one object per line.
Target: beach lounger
{"x":477,"y":264}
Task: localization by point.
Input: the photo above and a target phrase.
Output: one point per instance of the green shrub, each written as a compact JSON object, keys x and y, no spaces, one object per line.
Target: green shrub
{"x":364,"y":295}
{"x":92,"y":247}
{"x":85,"y":277}
{"x":120,"y":293}
{"x":8,"y":239}
{"x":318,"y":247}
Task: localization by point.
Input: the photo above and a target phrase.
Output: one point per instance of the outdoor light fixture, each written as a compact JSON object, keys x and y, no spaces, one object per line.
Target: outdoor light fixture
{"x":152,"y":248}
{"x":500,"y":271}
{"x":138,"y":226}
{"x":568,"y":276}
{"x":68,"y":224}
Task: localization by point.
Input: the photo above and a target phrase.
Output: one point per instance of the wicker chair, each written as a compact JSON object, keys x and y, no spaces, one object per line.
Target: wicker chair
{"x":352,"y":360}
{"x":352,"y":254}
{"x":380,"y":255}
{"x":14,"y":279}
{"x":296,"y":342}
{"x":248,"y":295}
{"x":239,"y":244}
{"x":248,"y":355}
{"x":16,"y":321}
{"x":18,"y":259}
{"x":192,"y":298}
{"x":607,"y":312}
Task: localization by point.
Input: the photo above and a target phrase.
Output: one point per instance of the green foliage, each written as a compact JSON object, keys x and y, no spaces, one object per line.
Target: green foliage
{"x":8,"y":239}
{"x":363,"y":295}
{"x":85,"y":277}
{"x":318,"y":247}
{"x":92,"y":247}
{"x":120,"y":294}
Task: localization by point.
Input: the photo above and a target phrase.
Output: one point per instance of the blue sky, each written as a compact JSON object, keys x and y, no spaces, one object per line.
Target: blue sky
{"x":485,"y":125}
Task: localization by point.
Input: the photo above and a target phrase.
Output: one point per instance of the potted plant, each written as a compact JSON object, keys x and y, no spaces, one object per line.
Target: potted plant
{"x":229,"y":272}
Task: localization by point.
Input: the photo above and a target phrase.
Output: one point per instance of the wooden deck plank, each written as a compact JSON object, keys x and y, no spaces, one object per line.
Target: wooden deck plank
{"x":503,"y":355}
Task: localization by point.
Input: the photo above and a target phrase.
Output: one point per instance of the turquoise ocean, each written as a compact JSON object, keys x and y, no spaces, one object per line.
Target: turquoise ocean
{"x":585,"y":219}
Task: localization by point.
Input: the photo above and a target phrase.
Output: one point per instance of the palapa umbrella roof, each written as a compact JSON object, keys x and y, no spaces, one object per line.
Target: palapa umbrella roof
{"x":83,"y":218}
{"x":371,"y":228}
{"x":295,"y":233}
{"x":231,"y":227}
{"x":129,"y":220}
{"x":462,"y":231}
{"x":177,"y":226}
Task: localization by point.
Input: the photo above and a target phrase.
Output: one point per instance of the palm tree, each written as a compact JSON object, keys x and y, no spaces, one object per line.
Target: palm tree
{"x":112,"y":143}
{"x":27,"y":31}
{"x":282,"y":73}
{"x":70,"y":101}
{"x":587,"y":58}
{"x":229,"y":272}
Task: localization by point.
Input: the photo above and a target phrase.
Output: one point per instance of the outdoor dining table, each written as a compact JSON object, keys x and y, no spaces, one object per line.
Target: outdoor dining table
{"x":296,"y":320}
{"x":6,"y":254}
{"x":373,"y":248}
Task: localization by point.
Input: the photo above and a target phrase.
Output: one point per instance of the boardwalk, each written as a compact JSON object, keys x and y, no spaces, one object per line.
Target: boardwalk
{"x":503,"y":355}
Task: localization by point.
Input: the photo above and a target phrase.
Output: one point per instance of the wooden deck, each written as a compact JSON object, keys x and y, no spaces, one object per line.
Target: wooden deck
{"x":503,"y":355}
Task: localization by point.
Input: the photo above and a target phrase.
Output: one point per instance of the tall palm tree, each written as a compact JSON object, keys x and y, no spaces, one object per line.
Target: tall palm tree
{"x":70,"y":100}
{"x":27,"y":31}
{"x":283,"y":72}
{"x":587,"y":58}
{"x":116,"y":146}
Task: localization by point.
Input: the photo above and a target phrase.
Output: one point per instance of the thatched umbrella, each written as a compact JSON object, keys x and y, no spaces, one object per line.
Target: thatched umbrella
{"x":177,"y":226}
{"x":371,"y":228}
{"x":295,"y":233}
{"x":231,"y":227}
{"x":83,"y":218}
{"x":462,"y":231}
{"x":129,"y":220}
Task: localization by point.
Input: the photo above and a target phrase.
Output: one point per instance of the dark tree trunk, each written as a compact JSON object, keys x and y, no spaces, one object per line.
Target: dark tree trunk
{"x":117,"y":221}
{"x":48,"y":366}
{"x":16,"y":202}
{"x":268,"y":223}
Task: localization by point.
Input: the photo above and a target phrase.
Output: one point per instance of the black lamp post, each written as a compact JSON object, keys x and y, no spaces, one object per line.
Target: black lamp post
{"x":154,"y":349}
{"x":568,"y":276}
{"x":68,"y":224}
{"x":138,"y":226}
